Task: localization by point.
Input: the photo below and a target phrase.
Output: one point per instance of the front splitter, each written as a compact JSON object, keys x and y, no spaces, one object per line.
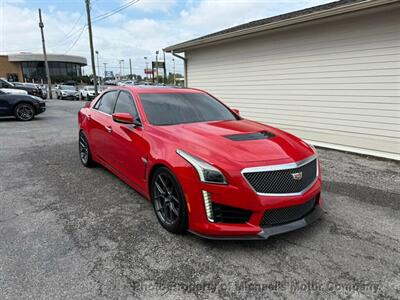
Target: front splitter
{"x":267,"y":232}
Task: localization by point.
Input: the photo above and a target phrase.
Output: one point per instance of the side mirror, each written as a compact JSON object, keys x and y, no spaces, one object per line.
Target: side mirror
{"x":125,"y":118}
{"x":236,"y":111}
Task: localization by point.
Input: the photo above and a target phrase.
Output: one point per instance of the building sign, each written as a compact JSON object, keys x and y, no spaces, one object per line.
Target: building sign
{"x":148,"y":71}
{"x":108,"y":74}
{"x":159,"y":63}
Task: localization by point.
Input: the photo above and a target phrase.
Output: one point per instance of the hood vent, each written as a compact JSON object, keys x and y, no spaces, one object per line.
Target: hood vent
{"x":250,"y":136}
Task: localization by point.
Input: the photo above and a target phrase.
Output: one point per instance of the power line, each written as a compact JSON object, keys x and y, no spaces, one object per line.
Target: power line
{"x":114,"y":11}
{"x":72,"y":29}
{"x":76,"y":41}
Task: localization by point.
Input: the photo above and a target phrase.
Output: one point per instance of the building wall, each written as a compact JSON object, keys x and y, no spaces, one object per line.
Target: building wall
{"x":335,"y":83}
{"x":7,"y":67}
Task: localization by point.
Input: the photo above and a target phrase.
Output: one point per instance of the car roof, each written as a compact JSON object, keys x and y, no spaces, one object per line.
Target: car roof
{"x":151,"y":89}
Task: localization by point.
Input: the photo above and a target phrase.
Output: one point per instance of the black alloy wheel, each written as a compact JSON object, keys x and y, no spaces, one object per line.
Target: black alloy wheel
{"x":24,"y":112}
{"x":84,"y":151}
{"x":168,"y":201}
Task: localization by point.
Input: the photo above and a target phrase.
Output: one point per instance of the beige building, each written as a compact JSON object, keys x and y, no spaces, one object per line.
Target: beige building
{"x":329,"y":74}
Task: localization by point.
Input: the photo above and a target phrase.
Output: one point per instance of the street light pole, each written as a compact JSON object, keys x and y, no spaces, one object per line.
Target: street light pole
{"x":130,"y":69}
{"x":105,"y":69}
{"x":157,"y":64}
{"x":46,"y":63}
{"x":98,"y":65}
{"x":91,"y":46}
{"x":146,"y":63}
{"x":165,"y":69}
{"x":173,"y":60}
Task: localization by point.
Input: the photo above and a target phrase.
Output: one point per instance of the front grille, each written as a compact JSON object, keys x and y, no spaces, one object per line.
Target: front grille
{"x":283,"y":181}
{"x":230,"y":214}
{"x":287,"y":214}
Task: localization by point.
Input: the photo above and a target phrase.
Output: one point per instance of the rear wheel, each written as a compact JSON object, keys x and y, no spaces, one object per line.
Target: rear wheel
{"x":24,"y":112}
{"x":169,"y":201}
{"x":84,"y":151}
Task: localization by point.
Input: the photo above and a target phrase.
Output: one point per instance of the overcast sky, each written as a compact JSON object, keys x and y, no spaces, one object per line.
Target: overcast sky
{"x":135,"y":32}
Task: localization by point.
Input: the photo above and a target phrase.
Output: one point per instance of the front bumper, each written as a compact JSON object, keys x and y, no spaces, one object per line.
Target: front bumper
{"x":239,"y":194}
{"x":68,"y":96}
{"x":40,"y":107}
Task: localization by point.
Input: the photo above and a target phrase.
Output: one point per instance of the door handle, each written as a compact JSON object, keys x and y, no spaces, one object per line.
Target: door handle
{"x":109,"y":129}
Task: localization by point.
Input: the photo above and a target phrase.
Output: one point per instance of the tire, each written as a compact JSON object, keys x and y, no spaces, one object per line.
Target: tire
{"x":169,"y":201}
{"x":24,"y":112}
{"x":87,"y":98}
{"x":85,"y":154}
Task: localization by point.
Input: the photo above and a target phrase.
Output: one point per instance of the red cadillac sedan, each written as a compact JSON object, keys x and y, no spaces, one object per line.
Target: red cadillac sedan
{"x":204,"y":168}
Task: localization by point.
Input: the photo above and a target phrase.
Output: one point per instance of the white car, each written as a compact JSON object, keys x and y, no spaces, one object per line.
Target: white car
{"x":14,"y":91}
{"x":87,"y":93}
{"x":126,"y":82}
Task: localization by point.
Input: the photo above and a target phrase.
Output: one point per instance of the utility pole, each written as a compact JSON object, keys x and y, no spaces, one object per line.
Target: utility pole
{"x":91,"y":46}
{"x":46,"y":63}
{"x":165,"y":70}
{"x":130,"y":68}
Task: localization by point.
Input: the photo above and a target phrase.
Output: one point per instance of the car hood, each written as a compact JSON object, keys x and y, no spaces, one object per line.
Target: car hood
{"x":239,"y":140}
{"x":14,"y":91}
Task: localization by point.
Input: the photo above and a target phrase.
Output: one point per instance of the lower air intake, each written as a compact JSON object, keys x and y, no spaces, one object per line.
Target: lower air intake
{"x":229,"y":214}
{"x":287,"y":214}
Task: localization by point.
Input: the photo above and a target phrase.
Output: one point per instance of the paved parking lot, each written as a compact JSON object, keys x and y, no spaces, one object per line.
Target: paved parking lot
{"x":76,"y":233}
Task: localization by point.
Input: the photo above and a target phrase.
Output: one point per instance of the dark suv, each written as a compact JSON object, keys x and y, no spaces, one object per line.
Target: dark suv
{"x":32,"y":90}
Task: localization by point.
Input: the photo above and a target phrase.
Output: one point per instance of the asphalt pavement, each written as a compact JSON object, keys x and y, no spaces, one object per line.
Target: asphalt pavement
{"x":67,"y":232}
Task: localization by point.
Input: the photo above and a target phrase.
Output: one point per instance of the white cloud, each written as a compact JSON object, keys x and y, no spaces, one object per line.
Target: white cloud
{"x":123,"y":38}
{"x":154,"y":5}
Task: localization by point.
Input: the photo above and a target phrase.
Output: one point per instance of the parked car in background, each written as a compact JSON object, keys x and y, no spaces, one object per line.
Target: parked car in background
{"x":126,"y":82}
{"x":87,"y":92}
{"x":23,"y":107}
{"x":14,"y":91}
{"x":204,"y":168}
{"x":66,"y":92}
{"x":43,"y":92}
{"x":32,"y":90}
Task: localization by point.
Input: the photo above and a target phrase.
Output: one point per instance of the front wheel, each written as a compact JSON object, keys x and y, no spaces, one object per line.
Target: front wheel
{"x":169,"y":201}
{"x":24,"y":112}
{"x":84,"y":151}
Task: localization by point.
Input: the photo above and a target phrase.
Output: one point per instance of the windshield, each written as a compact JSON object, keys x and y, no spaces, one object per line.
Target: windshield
{"x":171,"y":109}
{"x":90,"y":88}
{"x":67,"y":87}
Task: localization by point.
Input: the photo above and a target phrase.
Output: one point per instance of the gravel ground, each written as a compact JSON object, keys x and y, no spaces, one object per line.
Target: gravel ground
{"x":68,"y":232}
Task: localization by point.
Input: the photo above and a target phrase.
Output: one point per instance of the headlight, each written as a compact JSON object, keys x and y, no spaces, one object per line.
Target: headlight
{"x":207,"y":172}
